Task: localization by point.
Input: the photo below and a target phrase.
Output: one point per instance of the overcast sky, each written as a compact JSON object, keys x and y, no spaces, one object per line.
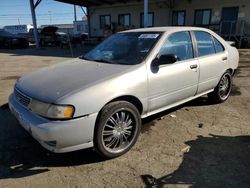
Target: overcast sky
{"x":13,"y":12}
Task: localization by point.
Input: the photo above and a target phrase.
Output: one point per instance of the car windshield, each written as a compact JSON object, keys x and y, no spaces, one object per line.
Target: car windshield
{"x":124,"y":48}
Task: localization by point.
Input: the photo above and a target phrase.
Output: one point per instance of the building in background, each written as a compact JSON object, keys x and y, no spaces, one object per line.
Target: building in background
{"x":16,"y":29}
{"x":229,"y":18}
{"x":80,"y":27}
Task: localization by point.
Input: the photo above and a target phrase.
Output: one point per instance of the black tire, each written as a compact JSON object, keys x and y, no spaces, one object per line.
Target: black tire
{"x":219,"y":96}
{"x":10,"y":45}
{"x":42,"y":43}
{"x":26,"y":45}
{"x":108,"y":132}
{"x":57,"y":43}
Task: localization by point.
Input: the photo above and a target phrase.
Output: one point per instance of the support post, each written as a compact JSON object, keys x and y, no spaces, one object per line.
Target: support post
{"x":33,"y":14}
{"x":84,"y":12}
{"x":75,"y":13}
{"x":88,"y":18}
{"x":145,"y":13}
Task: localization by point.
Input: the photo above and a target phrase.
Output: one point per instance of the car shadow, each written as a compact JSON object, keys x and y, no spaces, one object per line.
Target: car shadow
{"x":151,"y":120}
{"x":212,"y":161}
{"x":21,"y":155}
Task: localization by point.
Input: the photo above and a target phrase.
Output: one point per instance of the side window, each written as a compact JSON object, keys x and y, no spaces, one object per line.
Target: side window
{"x":151,"y":16}
{"x":179,"y":44}
{"x":218,"y":46}
{"x":202,"y":17}
{"x":105,"y":20}
{"x":178,"y":18}
{"x":124,"y":19}
{"x":205,"y":43}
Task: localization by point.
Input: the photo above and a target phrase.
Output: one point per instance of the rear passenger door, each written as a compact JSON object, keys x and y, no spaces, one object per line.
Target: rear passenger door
{"x":212,"y":59}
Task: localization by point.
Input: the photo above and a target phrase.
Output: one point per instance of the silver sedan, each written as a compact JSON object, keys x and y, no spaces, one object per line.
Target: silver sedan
{"x":98,"y":100}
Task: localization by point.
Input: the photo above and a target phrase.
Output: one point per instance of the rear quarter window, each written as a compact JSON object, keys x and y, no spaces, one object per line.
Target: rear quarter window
{"x":205,"y":43}
{"x":218,"y":46}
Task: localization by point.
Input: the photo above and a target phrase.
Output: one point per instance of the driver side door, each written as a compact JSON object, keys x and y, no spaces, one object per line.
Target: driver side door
{"x":170,"y":84}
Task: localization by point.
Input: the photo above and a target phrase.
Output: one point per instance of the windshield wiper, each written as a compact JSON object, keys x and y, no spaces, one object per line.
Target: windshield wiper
{"x":103,"y":61}
{"x":82,"y":57}
{"x":97,"y":60}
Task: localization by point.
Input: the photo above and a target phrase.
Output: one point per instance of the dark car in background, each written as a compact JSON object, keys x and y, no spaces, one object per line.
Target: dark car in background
{"x":80,"y":37}
{"x":9,"y":40}
{"x":75,"y":39}
{"x":30,"y":35}
{"x":50,"y":37}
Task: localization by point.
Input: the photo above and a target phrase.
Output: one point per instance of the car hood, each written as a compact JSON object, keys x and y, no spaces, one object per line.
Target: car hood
{"x":51,"y":83}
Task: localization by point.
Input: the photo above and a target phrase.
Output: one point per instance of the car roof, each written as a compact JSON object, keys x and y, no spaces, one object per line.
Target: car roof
{"x":167,"y":29}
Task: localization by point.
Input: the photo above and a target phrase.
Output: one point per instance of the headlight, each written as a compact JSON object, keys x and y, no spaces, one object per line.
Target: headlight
{"x":52,"y":111}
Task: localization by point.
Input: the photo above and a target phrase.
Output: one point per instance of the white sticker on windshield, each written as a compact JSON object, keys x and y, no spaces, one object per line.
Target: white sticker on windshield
{"x":148,"y":36}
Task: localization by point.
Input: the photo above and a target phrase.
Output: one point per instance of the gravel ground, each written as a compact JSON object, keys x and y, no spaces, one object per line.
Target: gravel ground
{"x":195,"y":145}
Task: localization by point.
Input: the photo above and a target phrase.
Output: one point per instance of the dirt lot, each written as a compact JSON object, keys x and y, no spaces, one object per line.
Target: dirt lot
{"x":196,"y":145}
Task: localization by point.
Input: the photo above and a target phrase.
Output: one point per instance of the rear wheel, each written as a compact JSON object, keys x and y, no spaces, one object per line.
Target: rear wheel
{"x":223,"y":89}
{"x":10,"y":46}
{"x":117,"y":129}
{"x":42,"y":42}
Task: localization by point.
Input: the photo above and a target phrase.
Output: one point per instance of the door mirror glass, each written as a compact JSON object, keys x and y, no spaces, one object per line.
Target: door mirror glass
{"x":167,"y":59}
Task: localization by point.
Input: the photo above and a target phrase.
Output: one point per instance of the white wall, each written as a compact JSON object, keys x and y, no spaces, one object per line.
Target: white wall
{"x":80,"y":27}
{"x":216,"y":6}
{"x":161,"y":14}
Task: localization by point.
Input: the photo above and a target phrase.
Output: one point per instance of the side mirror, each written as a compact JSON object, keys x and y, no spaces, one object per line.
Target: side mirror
{"x":166,"y":59}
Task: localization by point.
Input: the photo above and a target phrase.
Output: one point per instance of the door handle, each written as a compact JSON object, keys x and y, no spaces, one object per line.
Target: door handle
{"x":193,"y":66}
{"x":224,"y":58}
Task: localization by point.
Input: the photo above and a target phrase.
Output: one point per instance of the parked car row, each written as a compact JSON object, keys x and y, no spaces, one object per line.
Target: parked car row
{"x":8,"y":40}
{"x":30,"y":35}
{"x":48,"y":36}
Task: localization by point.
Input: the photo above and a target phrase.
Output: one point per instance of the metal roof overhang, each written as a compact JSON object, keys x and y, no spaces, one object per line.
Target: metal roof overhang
{"x":88,"y":3}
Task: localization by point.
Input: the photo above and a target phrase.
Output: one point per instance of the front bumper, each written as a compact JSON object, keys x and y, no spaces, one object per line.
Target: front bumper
{"x":56,"y":136}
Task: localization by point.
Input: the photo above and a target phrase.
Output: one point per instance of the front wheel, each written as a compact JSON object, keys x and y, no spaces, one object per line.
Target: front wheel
{"x":223,"y":89}
{"x":10,"y":45}
{"x":117,"y":129}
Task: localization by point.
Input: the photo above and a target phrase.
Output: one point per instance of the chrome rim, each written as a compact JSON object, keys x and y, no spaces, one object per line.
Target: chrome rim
{"x":119,"y":131}
{"x":224,"y":87}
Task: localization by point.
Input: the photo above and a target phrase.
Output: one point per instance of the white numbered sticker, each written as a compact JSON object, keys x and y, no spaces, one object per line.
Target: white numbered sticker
{"x":148,"y":36}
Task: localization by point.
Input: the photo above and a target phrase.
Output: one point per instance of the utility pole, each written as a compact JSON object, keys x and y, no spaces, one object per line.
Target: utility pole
{"x":33,"y":14}
{"x":145,"y":13}
{"x":75,"y":13}
{"x":50,"y":18}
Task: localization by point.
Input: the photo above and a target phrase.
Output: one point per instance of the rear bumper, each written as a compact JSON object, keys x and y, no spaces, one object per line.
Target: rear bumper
{"x":56,"y":136}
